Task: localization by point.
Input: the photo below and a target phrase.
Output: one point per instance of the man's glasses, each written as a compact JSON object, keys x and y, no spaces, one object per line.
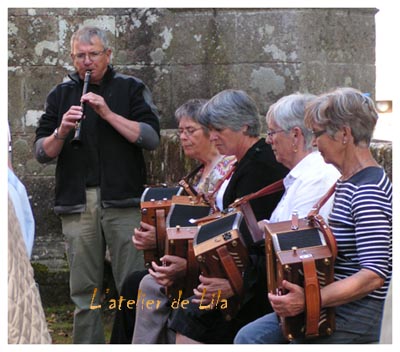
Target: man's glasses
{"x":93,"y":55}
{"x":317,"y":134}
{"x":187,"y":131}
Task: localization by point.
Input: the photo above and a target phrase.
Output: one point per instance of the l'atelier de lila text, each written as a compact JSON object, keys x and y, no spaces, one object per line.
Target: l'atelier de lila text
{"x":143,"y":302}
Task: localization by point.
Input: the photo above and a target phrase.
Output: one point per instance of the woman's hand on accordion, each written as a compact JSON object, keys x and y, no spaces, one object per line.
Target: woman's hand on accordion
{"x":290,"y":304}
{"x":144,"y":237}
{"x":173,"y":268}
{"x":210,"y":288}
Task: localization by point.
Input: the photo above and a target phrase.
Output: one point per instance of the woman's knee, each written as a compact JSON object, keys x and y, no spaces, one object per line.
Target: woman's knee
{"x":242,"y":336}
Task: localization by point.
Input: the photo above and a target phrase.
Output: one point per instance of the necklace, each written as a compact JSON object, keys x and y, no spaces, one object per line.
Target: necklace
{"x":363,"y":165}
{"x":344,"y":178}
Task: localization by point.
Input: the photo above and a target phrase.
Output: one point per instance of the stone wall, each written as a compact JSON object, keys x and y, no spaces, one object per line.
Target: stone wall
{"x":186,"y":53}
{"x":179,"y":54}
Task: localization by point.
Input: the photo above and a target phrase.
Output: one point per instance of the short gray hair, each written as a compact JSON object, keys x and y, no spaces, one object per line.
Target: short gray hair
{"x":344,"y":107}
{"x":231,"y":109}
{"x":288,"y":112}
{"x":191,"y":109}
{"x":85,"y":35}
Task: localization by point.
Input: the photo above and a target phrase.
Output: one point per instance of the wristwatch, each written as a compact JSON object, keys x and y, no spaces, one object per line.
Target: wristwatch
{"x":56,"y":136}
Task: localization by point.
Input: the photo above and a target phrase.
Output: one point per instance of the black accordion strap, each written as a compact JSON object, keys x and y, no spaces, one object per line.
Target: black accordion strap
{"x":193,"y":172}
{"x":184,"y":182}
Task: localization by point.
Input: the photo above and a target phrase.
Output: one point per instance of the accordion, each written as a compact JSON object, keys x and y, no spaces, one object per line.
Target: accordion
{"x":154,"y":206}
{"x":220,"y":249}
{"x":302,"y":251}
{"x":180,"y":235}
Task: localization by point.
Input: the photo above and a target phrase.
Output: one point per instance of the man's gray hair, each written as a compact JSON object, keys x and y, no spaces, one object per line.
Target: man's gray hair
{"x":232,"y":109}
{"x":86,"y":33}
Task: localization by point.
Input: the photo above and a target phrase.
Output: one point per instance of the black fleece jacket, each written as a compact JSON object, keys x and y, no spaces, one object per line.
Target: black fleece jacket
{"x":105,"y":159}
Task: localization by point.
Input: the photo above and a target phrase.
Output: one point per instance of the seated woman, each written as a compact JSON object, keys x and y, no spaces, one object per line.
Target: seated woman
{"x":309,"y":177}
{"x":196,"y":145}
{"x":342,"y":122}
{"x":234,"y":123}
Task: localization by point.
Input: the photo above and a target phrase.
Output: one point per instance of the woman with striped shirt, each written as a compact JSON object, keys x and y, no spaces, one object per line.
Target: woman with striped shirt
{"x":342,"y":122}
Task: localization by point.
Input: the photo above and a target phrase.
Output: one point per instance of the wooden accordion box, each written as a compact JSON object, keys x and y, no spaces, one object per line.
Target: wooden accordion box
{"x":154,"y":206}
{"x":221,"y":250}
{"x":302,"y":254}
{"x":180,"y":235}
{"x":179,"y":227}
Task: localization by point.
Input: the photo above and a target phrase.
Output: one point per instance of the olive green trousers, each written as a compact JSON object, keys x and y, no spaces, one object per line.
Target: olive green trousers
{"x":87,"y":236}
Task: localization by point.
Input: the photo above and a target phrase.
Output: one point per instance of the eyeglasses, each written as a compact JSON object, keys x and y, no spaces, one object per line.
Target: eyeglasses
{"x":93,"y":55}
{"x":270,"y":133}
{"x":317,"y":134}
{"x":187,"y":131}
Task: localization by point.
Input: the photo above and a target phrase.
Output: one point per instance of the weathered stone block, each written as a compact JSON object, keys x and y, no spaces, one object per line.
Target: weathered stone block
{"x":33,"y":40}
{"x":382,"y":152}
{"x":139,"y":35}
{"x":348,"y":35}
{"x":317,"y":77}
{"x":16,"y":105}
{"x":53,"y":285}
{"x":195,"y":30}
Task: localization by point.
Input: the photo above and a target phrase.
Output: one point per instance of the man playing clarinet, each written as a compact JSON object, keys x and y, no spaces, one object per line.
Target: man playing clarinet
{"x":98,"y":182}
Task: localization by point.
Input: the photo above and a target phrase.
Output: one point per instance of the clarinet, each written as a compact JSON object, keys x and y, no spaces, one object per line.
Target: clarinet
{"x":76,"y":141}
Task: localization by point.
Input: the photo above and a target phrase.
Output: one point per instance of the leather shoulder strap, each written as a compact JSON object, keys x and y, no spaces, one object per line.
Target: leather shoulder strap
{"x":222,"y":180}
{"x":312,"y":295}
{"x":272,"y":188}
{"x":317,"y":206}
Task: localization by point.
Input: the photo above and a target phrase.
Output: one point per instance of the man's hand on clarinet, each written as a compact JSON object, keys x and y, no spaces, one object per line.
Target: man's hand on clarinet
{"x":69,"y":120}
{"x":97,"y":103}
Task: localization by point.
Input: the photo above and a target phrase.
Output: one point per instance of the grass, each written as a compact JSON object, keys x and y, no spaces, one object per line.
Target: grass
{"x":60,"y":320}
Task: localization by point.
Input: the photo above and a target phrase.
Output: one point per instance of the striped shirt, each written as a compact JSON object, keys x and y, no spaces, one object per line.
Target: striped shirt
{"x":361,"y":220}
